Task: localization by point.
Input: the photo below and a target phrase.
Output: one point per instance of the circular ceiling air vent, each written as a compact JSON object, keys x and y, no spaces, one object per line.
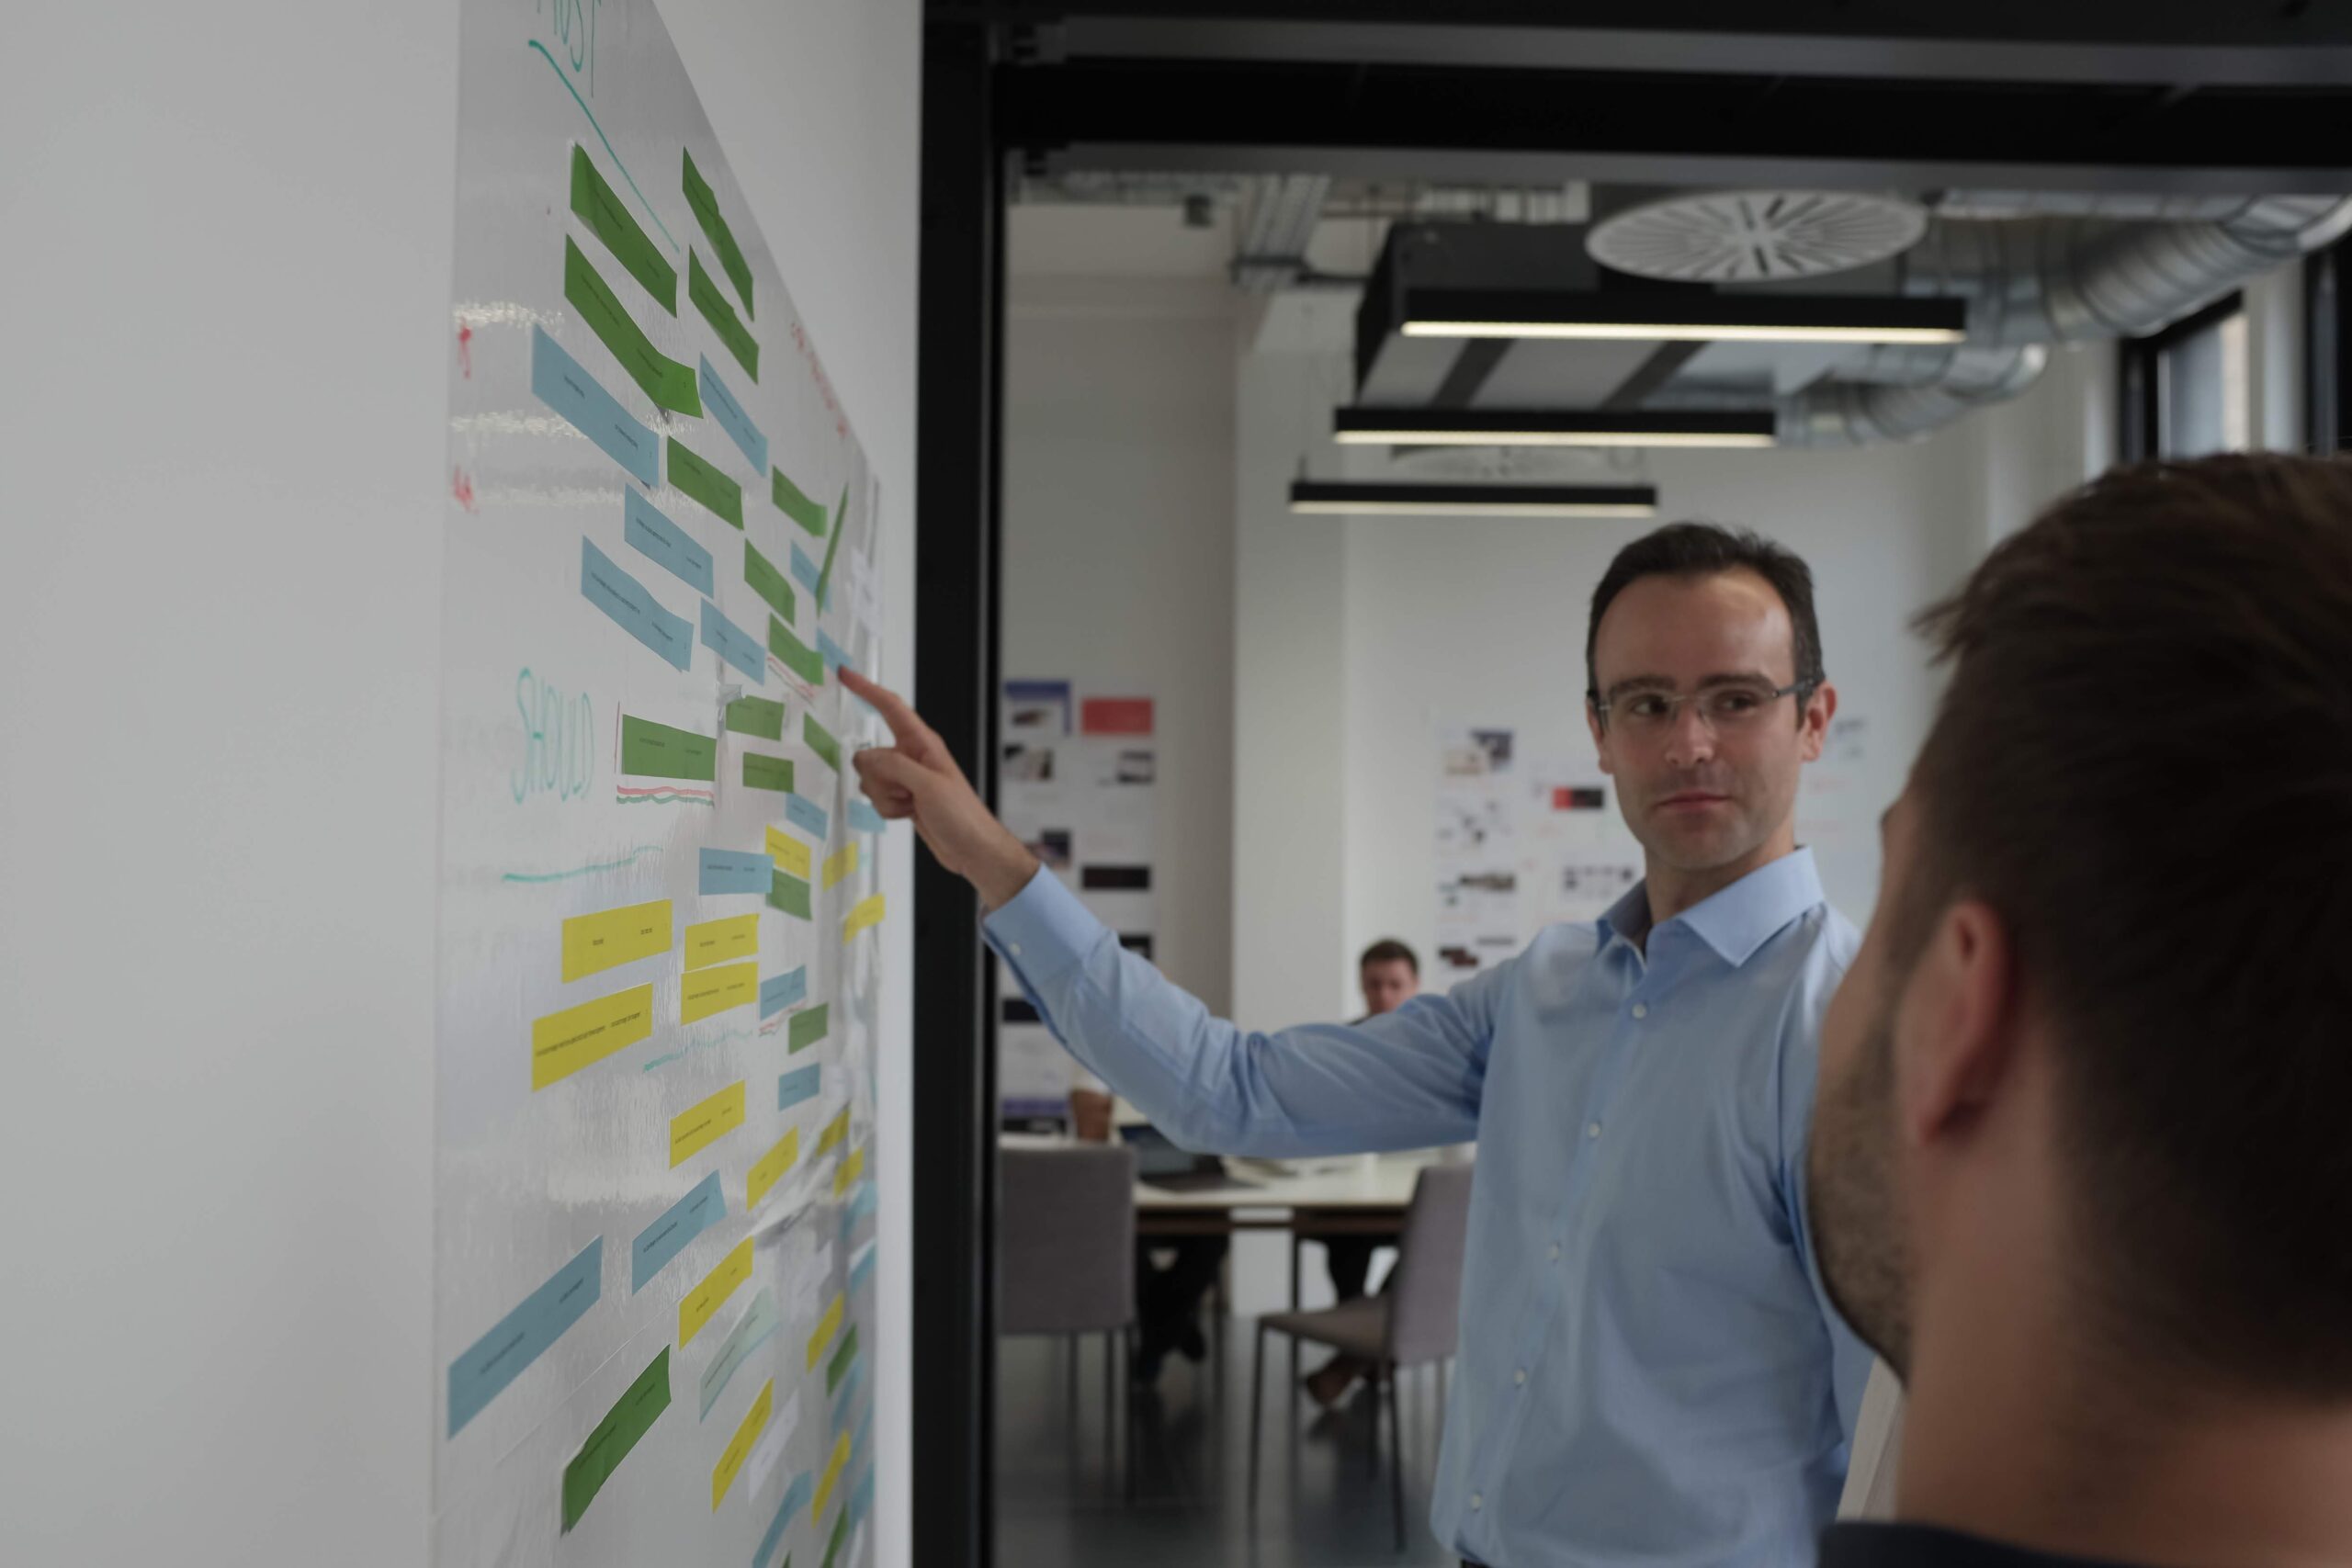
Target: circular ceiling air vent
{"x":1742,"y":235}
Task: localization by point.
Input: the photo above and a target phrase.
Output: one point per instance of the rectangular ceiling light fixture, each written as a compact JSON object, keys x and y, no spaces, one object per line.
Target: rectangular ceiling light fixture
{"x":1474,"y":500}
{"x":1650,"y":315}
{"x":1551,"y":427}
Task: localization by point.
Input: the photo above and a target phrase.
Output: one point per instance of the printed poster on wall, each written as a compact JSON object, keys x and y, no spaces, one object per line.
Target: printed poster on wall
{"x":658,"y":895}
{"x":1075,"y":779}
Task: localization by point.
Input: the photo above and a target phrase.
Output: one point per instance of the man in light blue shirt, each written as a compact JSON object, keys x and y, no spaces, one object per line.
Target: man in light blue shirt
{"x":1649,"y":1371}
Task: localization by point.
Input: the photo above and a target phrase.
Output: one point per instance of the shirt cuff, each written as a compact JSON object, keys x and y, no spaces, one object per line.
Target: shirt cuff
{"x":1043,"y":932}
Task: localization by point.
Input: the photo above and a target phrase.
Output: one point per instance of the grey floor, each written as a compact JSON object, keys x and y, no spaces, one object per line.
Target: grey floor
{"x":1061,"y":1498}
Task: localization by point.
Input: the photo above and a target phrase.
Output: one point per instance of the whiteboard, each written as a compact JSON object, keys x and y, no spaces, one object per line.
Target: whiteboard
{"x":658,"y":961}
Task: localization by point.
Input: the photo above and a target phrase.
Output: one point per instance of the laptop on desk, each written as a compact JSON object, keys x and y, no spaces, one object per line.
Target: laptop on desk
{"x":1161,"y":1164}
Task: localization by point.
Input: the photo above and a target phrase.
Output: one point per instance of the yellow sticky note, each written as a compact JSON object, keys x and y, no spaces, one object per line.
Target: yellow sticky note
{"x":769,"y":1168}
{"x":563,"y":1043}
{"x":852,"y":1168}
{"x":598,"y":941}
{"x":715,"y":1287}
{"x":841,"y":864}
{"x":738,"y":1447}
{"x":691,"y":1131}
{"x":826,"y":1327}
{"x":835,"y":1131}
{"x":832,"y":1474}
{"x":791,"y":854}
{"x":706,"y":991}
{"x":867,"y":913}
{"x":715,"y":942}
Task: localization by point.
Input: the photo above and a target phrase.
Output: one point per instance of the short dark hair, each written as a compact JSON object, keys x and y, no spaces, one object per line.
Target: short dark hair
{"x":2143,"y":764}
{"x":1388,"y":950}
{"x":1704,"y":549}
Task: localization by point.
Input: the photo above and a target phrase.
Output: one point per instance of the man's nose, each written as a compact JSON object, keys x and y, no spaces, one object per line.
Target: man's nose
{"x":1691,"y":737}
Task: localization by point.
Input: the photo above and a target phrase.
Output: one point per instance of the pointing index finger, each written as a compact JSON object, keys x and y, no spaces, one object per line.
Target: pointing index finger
{"x":907,"y":726}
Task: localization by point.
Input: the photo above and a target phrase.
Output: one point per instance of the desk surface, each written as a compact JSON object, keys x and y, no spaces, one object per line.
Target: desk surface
{"x":1385,"y":1182}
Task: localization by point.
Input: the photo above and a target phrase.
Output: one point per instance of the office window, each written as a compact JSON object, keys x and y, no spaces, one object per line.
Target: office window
{"x":2185,"y":388}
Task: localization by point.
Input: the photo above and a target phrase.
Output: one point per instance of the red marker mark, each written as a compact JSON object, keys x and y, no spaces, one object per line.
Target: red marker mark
{"x":462,"y":488}
{"x":464,"y":347}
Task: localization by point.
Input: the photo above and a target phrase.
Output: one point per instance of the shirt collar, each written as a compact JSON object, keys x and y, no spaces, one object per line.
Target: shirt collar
{"x":1735,"y":920}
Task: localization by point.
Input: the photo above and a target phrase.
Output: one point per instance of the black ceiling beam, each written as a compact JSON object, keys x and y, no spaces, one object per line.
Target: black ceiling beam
{"x":1490,"y":124}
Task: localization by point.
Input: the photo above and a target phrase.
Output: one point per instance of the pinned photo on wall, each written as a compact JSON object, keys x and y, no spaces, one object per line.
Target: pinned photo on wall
{"x":1034,"y":708}
{"x":1028,"y":765}
{"x":1115,"y":715}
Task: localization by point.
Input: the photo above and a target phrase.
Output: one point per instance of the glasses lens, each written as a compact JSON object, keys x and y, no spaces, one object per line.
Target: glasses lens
{"x":1727,"y":707}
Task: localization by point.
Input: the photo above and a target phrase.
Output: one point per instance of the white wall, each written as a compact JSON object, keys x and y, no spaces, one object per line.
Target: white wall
{"x":218,"y":683}
{"x":1118,"y":548}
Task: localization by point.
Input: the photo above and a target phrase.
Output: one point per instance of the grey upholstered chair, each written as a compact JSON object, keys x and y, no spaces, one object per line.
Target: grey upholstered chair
{"x":1412,"y":1323}
{"x":1065,"y":1255}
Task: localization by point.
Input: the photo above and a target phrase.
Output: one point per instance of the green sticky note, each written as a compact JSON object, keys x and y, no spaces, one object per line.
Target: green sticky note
{"x":809,"y":514}
{"x":803,"y":662}
{"x":820,"y":741}
{"x":659,"y":751}
{"x":668,"y":383}
{"x":599,"y":206}
{"x":790,"y":894}
{"x":806,"y":1027}
{"x":696,"y":478}
{"x":841,"y":1530}
{"x":704,"y":201}
{"x":763,"y":771}
{"x":833,"y":548}
{"x":721,"y":315}
{"x":842,"y":1358}
{"x":757,"y":715}
{"x":768,"y":582}
{"x":630,"y":1418}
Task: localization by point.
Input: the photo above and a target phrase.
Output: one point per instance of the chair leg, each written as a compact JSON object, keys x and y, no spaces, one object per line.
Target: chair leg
{"x":1135,"y":1415}
{"x":1396,"y":1454}
{"x":1111,"y":1343}
{"x":1372,"y":1454}
{"x":1257,"y":1412}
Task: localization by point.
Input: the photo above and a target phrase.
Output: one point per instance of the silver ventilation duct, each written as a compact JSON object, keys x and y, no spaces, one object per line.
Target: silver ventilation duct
{"x":2036,"y":281}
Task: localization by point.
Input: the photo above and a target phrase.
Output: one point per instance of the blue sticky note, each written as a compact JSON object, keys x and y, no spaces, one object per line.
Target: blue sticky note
{"x":667,"y":1236}
{"x":848,"y":1396}
{"x":835,"y":655}
{"x":721,"y":404}
{"x":861,"y":1500}
{"x":857,"y":1444}
{"x":523,"y":1336}
{"x":559,"y":381}
{"x":754,"y":1328}
{"x":804,"y":570}
{"x":861,"y":1205}
{"x":778,"y":992}
{"x":662,"y":541}
{"x":861,"y":1270}
{"x":796,"y":1087}
{"x":736,"y":870}
{"x":734,"y":643}
{"x":805,"y":814}
{"x":796,"y":1497}
{"x":628,"y":601}
{"x":863,"y":818}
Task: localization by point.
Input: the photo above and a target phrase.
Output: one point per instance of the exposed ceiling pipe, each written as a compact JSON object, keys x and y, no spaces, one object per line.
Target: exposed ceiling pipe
{"x":2044,"y":280}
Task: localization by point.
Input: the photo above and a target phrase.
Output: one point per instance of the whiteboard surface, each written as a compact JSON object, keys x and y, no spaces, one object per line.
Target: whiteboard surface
{"x":561,"y":1169}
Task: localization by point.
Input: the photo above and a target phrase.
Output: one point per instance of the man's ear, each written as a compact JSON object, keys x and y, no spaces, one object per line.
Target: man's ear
{"x":1819,"y":710}
{"x":1600,"y":736}
{"x":1956,"y":1024}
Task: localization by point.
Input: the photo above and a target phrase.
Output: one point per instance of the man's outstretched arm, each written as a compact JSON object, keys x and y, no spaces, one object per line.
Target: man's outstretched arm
{"x":1407,"y":1080}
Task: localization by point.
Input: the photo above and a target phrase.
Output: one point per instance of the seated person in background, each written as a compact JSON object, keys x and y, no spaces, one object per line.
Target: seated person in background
{"x":2078,"y":1164}
{"x":1168,"y":1301}
{"x":1390,"y":976}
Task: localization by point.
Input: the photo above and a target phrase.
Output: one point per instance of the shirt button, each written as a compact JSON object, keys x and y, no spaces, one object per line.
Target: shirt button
{"x":1519,"y":1376}
{"x":1477,"y":1501}
{"x":1641,"y":1010}
{"x":1555,"y":1252}
{"x":1593,"y":1129}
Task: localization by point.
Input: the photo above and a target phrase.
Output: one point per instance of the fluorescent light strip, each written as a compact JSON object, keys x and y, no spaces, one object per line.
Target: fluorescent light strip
{"x":1673,"y":332}
{"x":1504,"y":438}
{"x":1475,"y":508}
